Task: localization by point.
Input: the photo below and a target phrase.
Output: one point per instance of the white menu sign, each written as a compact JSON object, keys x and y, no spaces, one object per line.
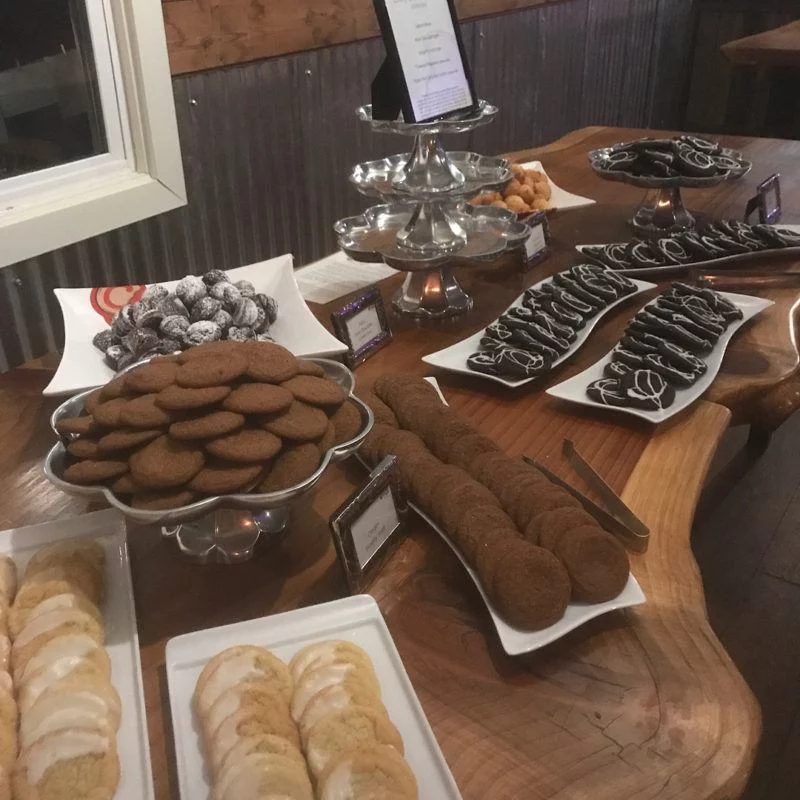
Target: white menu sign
{"x":430,"y":57}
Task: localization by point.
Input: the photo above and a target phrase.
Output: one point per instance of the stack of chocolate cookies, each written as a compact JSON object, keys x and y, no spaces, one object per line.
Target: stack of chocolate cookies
{"x":531,"y":543}
{"x":541,"y":327}
{"x":663,"y":348}
{"x":221,"y":418}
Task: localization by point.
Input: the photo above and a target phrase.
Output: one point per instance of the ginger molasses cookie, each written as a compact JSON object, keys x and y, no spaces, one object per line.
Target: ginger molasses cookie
{"x":152,"y":377}
{"x":376,"y":770}
{"x":411,"y":410}
{"x":596,"y":562}
{"x":328,"y":439}
{"x":208,"y":426}
{"x":481,"y":523}
{"x":390,"y":388}
{"x":107,"y":414}
{"x":247,"y":446}
{"x":258,"y":398}
{"x":424,"y":481}
{"x":464,"y":452}
{"x":307,"y":367}
{"x":85,"y":447}
{"x":291,"y":467}
{"x":315,"y":391}
{"x":113,"y":389}
{"x":300,"y":422}
{"x":77,"y":426}
{"x":125,"y":485}
{"x":166,"y":463}
{"x":92,"y":401}
{"x":530,"y":586}
{"x":451,"y":430}
{"x":223,"y":477}
{"x":383,"y":414}
{"x":208,"y":350}
{"x":348,"y":729}
{"x":346,"y":422}
{"x":91,"y":471}
{"x":163,"y":501}
{"x":142,"y":413}
{"x":126,"y":439}
{"x":178,"y":398}
{"x":547,"y":527}
{"x":217,"y":370}
{"x":460,"y":498}
{"x":269,"y":362}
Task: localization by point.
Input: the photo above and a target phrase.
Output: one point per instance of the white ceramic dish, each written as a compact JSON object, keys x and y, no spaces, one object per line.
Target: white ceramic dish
{"x":122,"y":640}
{"x":560,"y":200}
{"x":660,"y":273}
{"x":574,"y":389}
{"x":82,"y":365}
{"x":516,"y":641}
{"x":356,"y":619}
{"x":454,"y":358}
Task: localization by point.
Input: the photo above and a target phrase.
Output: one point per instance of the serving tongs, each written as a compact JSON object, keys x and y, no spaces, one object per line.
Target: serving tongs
{"x":619,"y":520}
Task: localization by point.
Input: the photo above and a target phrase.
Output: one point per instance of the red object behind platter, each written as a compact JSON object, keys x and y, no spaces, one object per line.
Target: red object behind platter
{"x":108,"y":300}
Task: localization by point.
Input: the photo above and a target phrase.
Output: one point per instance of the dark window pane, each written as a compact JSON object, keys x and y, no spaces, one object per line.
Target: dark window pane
{"x":49,"y":106}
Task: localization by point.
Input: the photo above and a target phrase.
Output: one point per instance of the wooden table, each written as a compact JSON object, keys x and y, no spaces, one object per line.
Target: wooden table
{"x":637,"y":704}
{"x":779,"y":47}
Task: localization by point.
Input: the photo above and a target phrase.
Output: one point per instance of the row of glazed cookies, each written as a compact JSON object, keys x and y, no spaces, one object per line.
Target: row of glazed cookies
{"x":265,"y":726}
{"x":69,"y":712}
{"x":531,"y":543}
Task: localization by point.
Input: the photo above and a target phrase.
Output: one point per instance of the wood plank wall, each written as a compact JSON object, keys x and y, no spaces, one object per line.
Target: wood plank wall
{"x":203,"y":34}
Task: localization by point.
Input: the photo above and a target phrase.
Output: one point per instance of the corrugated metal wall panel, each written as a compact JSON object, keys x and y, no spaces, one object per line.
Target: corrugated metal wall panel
{"x":267,"y":145}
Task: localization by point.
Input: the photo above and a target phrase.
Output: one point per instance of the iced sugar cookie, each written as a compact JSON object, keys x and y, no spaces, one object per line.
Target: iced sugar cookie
{"x":336,"y":698}
{"x":237,"y":664}
{"x":322,"y":654}
{"x":260,"y":775}
{"x":18,"y":617}
{"x":65,"y":710}
{"x":369,"y":773}
{"x":262,"y":743}
{"x":315,"y":680}
{"x":250,"y":692}
{"x":68,"y":764}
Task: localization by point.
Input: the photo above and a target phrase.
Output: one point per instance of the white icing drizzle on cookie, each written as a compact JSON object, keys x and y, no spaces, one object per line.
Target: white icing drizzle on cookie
{"x":63,"y":746}
{"x":50,"y":621}
{"x":76,"y":645}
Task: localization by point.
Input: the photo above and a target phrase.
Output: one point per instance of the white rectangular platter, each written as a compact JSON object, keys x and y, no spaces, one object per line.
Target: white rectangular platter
{"x":356,"y":619}
{"x":454,"y":358}
{"x":296,"y":328}
{"x":122,"y":640}
{"x":560,"y":199}
{"x":574,"y":389}
{"x":516,"y":641}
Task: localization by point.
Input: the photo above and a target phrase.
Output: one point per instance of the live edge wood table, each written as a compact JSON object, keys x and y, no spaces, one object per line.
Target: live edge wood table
{"x":637,"y":704}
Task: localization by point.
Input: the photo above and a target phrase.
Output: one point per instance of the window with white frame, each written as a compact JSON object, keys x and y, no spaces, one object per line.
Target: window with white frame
{"x":88,"y":138}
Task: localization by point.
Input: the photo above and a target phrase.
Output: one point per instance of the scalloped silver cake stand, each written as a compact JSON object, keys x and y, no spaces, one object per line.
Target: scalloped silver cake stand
{"x":225,"y":529}
{"x":662,"y":211}
{"x":424,"y":228}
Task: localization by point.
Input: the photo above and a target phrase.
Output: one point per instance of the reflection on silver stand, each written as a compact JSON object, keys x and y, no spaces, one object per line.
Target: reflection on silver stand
{"x":228,"y":536}
{"x":425,"y":227}
{"x":662,"y":212}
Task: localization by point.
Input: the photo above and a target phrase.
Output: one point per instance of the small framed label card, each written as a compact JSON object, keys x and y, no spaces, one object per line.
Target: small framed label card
{"x":369,"y":525}
{"x":363,"y":326}
{"x":537,"y":245}
{"x":767,"y":202}
{"x":426,"y":74}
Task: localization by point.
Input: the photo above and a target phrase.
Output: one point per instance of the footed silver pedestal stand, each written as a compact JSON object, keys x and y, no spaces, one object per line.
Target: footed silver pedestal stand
{"x":425,"y":227}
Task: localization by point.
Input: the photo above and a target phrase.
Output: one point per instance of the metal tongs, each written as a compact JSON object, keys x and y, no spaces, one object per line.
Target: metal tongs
{"x":619,"y":520}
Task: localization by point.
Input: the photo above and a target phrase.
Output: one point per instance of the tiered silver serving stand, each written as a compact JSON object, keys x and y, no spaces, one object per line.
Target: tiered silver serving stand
{"x":662,"y":211}
{"x":225,"y":529}
{"x":424,"y":226}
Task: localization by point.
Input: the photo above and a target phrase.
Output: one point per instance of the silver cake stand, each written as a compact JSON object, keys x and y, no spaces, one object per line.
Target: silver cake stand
{"x":425,"y":227}
{"x":224,"y":529}
{"x":662,"y":211}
